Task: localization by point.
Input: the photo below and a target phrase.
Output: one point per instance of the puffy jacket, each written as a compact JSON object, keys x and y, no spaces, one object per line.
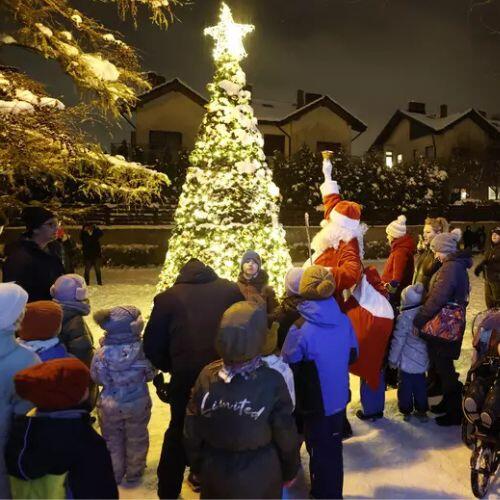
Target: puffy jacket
{"x":449,"y":285}
{"x":408,"y":351}
{"x":32,"y":268}
{"x":426,"y":266}
{"x":180,"y":334}
{"x":240,"y":436}
{"x":76,"y":336}
{"x":327,"y":339}
{"x":13,"y":358}
{"x":60,"y":442}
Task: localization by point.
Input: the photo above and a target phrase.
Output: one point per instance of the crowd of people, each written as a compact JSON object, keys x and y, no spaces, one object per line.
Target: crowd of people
{"x":252,"y":377}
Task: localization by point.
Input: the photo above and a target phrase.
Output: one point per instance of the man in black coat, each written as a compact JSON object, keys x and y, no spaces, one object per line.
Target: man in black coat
{"x":91,"y":249}
{"x":29,"y":261}
{"x":180,"y":339}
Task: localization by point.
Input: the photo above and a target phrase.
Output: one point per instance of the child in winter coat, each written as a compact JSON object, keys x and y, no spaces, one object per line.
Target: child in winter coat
{"x":320,"y":347}
{"x":124,"y":405}
{"x":40,"y":330}
{"x":70,"y":292}
{"x":54,"y":452}
{"x":13,"y":357}
{"x":253,"y":283}
{"x":409,"y":354}
{"x":239,"y":431}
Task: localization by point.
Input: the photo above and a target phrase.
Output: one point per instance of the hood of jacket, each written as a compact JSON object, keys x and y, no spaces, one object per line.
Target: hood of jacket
{"x":320,"y":312}
{"x":119,"y":357}
{"x":406,"y":242}
{"x":195,"y":272}
{"x":8,"y":342}
{"x":463,"y":257}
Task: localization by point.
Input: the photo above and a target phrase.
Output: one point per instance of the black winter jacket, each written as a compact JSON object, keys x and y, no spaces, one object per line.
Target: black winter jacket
{"x":180,"y":334}
{"x":61,"y":442}
{"x":32,"y":268}
{"x":240,"y":436}
{"x":426,"y":266}
{"x":449,"y":284}
{"x":490,"y":264}
{"x":91,"y":245}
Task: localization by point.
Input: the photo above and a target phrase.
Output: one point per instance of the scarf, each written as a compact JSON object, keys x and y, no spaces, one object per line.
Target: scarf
{"x":82,"y":307}
{"x":228,"y":372}
{"x":39,"y":345}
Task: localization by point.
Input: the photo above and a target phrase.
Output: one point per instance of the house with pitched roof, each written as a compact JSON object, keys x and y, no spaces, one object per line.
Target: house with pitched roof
{"x":167,"y":118}
{"x":412,"y":133}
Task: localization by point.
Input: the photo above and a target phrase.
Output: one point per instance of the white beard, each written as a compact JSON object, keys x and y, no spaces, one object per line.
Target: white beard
{"x":330,"y":236}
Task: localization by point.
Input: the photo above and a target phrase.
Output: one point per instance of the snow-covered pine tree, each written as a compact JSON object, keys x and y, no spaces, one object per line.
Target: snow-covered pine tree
{"x":229,"y":203}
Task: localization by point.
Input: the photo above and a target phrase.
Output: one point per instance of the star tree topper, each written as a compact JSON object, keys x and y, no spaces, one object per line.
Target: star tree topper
{"x":228,"y":35}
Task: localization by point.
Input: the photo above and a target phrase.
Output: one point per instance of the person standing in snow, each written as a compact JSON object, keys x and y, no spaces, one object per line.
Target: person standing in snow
{"x":320,"y":348}
{"x":240,"y":433}
{"x":124,"y":405}
{"x":13,"y":357}
{"x":399,"y":267}
{"x":29,"y":262}
{"x":409,"y":355}
{"x":180,"y":339}
{"x":90,"y":237}
{"x":490,"y":265}
{"x":449,"y":288}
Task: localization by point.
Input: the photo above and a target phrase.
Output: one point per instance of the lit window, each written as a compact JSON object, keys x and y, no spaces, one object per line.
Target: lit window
{"x":389,"y":161}
{"x":399,"y":158}
{"x":463,"y":194}
{"x":493,"y":192}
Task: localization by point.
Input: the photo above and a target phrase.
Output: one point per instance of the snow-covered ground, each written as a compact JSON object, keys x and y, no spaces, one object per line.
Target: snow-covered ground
{"x":386,"y":459}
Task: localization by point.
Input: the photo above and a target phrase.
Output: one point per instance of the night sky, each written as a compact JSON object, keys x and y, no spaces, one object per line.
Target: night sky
{"x":371,"y":56}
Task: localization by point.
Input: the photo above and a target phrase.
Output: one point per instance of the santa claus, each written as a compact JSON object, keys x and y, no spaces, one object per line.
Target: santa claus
{"x":359,"y":292}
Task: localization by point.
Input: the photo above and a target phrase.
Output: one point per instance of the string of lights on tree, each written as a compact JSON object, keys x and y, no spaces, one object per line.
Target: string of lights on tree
{"x":229,"y":202}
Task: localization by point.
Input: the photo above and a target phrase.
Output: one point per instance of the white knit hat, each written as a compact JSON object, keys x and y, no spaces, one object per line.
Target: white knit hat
{"x":13,"y":300}
{"x":397,"y":228}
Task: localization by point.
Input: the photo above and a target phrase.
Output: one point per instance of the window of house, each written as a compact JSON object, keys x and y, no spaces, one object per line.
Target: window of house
{"x":430,"y":152}
{"x":273,"y":143}
{"x":399,"y":159}
{"x":336,"y":147}
{"x":493,"y":192}
{"x":164,"y":145}
{"x":463,"y":194}
{"x":389,"y":159}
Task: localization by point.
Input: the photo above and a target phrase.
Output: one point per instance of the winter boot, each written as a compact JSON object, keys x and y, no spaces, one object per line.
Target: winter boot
{"x":441,"y":407}
{"x":194,"y":482}
{"x":372,"y":418}
{"x":421,"y":416}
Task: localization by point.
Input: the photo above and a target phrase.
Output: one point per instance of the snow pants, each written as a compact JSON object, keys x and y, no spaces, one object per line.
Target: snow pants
{"x":373,"y":401}
{"x":125,"y":430}
{"x":412,"y":392}
{"x":452,"y":387}
{"x":323,"y":437}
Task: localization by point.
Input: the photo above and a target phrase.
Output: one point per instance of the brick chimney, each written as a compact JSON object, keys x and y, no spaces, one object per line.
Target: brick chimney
{"x":300,"y":98}
{"x":443,"y":111}
{"x":416,"y":107}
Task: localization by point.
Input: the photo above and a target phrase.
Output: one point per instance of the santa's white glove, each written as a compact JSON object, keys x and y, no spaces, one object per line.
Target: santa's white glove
{"x":327,"y":169}
{"x":329,"y":186}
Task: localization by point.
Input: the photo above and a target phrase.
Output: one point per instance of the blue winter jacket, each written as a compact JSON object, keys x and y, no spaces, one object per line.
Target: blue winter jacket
{"x":327,"y":338}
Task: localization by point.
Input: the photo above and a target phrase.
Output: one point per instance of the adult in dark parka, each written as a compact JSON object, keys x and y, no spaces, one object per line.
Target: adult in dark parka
{"x":29,"y":262}
{"x":180,"y":339}
{"x":240,"y":433}
{"x":449,"y":285}
{"x":490,"y":265}
{"x":90,"y":237}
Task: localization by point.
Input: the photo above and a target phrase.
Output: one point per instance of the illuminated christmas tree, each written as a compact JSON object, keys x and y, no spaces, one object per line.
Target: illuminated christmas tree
{"x":229,"y":202}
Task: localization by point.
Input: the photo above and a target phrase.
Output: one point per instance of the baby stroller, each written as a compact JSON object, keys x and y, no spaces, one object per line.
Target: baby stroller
{"x":481,"y":401}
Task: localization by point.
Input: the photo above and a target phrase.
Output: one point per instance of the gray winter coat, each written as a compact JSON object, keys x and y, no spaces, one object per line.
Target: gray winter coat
{"x":408,"y":350}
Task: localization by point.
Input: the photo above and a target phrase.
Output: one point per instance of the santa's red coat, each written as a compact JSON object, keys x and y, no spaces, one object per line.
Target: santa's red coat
{"x":372,"y":325}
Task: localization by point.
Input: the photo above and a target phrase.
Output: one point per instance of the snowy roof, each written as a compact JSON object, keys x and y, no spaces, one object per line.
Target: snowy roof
{"x":266,"y":110}
{"x":438,"y":125}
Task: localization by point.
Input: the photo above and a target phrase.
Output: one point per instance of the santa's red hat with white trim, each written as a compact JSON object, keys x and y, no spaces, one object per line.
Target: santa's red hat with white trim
{"x":346,"y":214}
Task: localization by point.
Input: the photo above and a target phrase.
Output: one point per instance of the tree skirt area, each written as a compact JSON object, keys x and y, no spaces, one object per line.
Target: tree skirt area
{"x":389,"y":458}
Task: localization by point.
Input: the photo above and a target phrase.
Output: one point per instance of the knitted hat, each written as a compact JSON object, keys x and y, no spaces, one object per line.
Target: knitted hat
{"x":292,"y":280}
{"x":271,"y":339}
{"x":345,"y":214}
{"x":69,"y":288}
{"x":57,"y":384}
{"x":12,"y":303}
{"x":446,"y":242}
{"x":34,"y":217}
{"x":397,"y":228}
{"x":42,"y":321}
{"x":120,"y":319}
{"x":412,"y":295}
{"x":251,"y":255}
{"x":317,"y":283}
{"x":242,"y":333}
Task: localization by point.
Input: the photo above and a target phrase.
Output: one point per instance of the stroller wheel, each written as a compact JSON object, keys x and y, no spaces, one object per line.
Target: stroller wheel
{"x":481,"y":470}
